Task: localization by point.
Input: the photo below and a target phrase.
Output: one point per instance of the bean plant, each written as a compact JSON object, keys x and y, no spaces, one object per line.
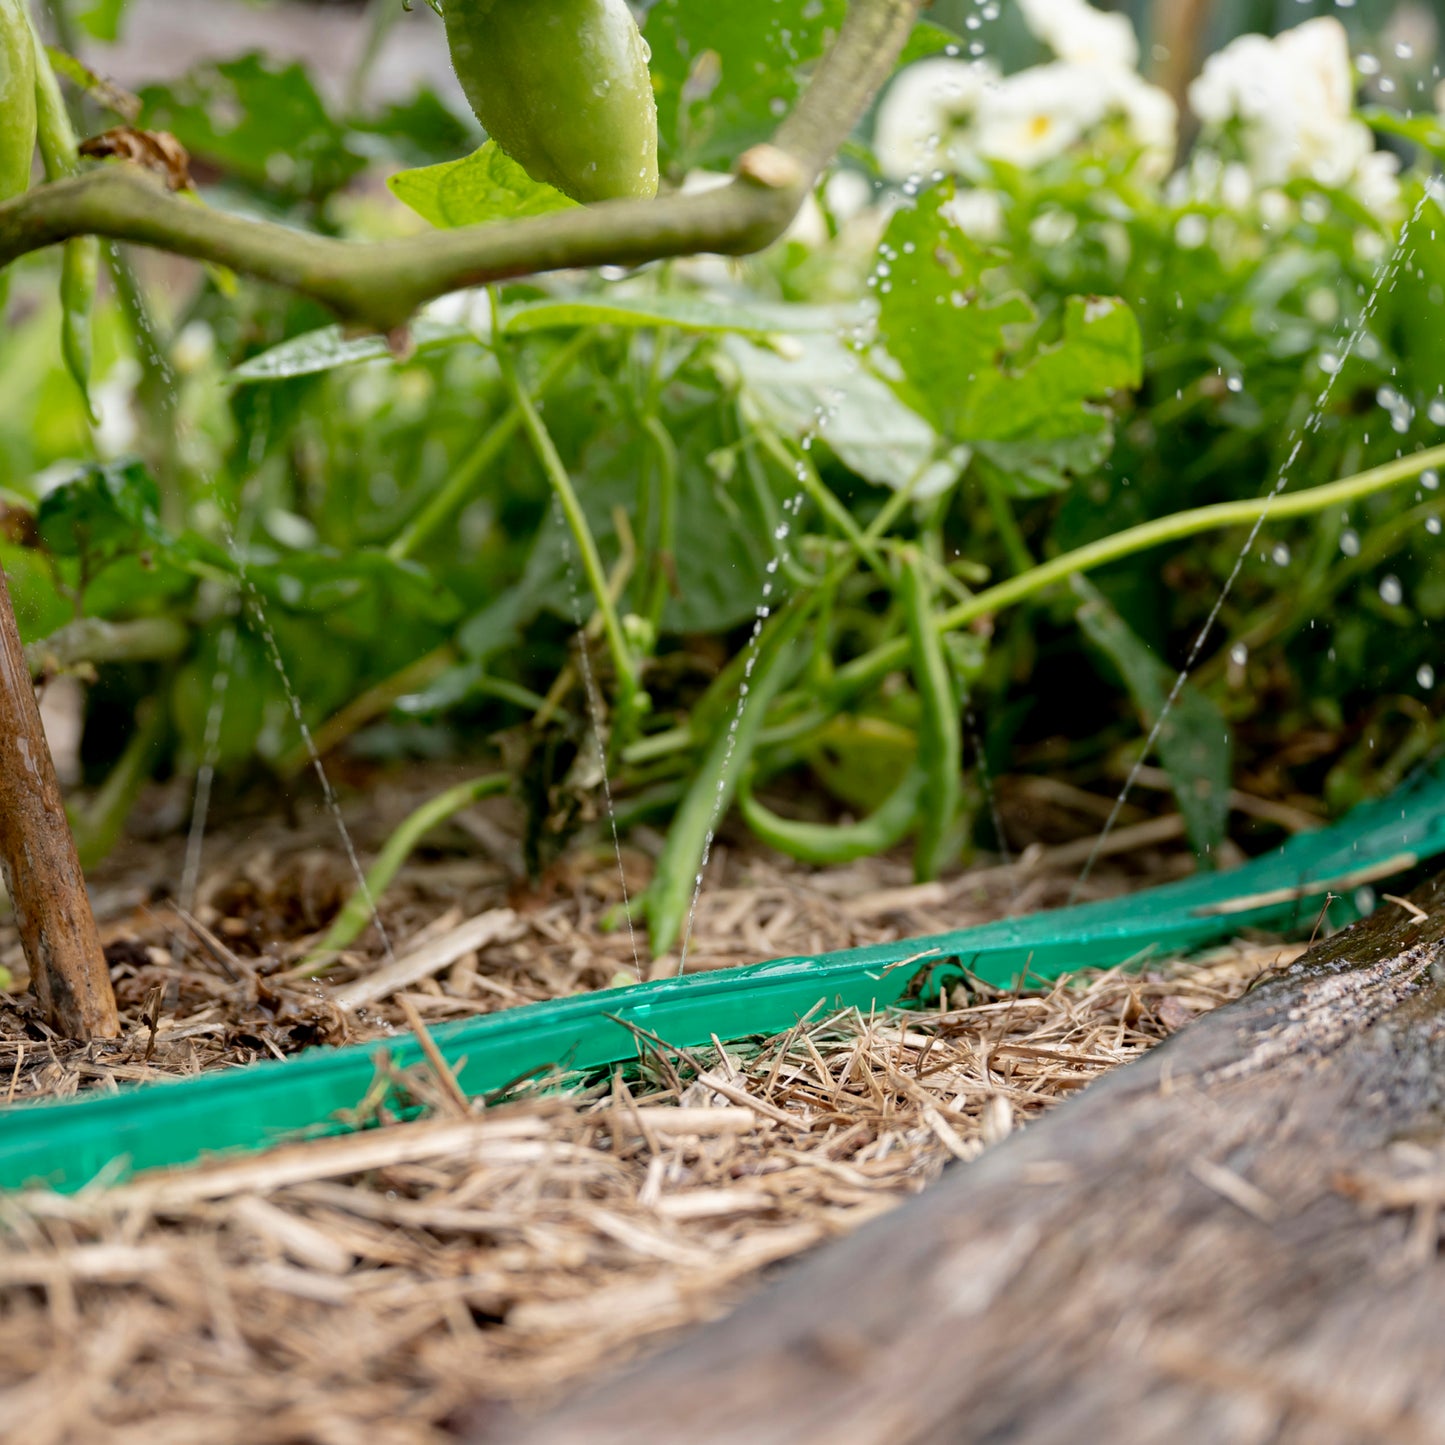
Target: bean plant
{"x":951,"y":480}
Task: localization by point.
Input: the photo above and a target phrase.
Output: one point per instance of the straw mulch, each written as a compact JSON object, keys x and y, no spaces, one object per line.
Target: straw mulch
{"x":217,"y":985}
{"x":371,"y":1286}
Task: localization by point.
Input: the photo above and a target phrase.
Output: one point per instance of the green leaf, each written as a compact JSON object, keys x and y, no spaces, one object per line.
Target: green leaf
{"x":329,"y":347}
{"x":725,"y":74}
{"x":259,"y":121}
{"x":864,"y":424}
{"x":965,"y":361}
{"x":378,"y":587}
{"x":101,"y":18}
{"x":1046,"y":403}
{"x":1424,"y":130}
{"x":102,"y":511}
{"x":487,"y":185}
{"x":928,"y":39}
{"x":419,"y":131}
{"x":935,"y":318}
{"x":40,"y":609}
{"x":1194,"y":744}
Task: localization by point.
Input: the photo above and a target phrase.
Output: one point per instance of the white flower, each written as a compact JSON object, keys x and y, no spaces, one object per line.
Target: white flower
{"x":113,"y":400}
{"x":1377,"y":183}
{"x":1290,"y":101}
{"x":925,"y":114}
{"x":193,"y":347}
{"x":810,"y":226}
{"x":977,"y":213}
{"x":845,"y":194}
{"x":1151,"y":116}
{"x":1076,"y":32}
{"x":1236,"y":186}
{"x":1040,"y":112}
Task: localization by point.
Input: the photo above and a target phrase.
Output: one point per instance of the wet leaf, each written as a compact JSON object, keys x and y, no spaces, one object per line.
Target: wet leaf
{"x":487,"y":185}
{"x":1195,"y":746}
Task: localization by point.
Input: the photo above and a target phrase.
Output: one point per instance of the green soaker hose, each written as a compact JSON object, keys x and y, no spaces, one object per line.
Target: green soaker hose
{"x":152,"y":1125}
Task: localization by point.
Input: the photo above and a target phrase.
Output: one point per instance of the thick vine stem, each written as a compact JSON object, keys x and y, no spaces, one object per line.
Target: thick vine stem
{"x":380,"y":284}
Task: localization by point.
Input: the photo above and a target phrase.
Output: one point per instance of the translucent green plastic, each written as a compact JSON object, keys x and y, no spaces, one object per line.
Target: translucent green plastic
{"x":66,"y":1145}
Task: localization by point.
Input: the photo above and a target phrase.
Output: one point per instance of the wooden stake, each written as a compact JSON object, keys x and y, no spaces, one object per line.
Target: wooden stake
{"x":38,"y":859}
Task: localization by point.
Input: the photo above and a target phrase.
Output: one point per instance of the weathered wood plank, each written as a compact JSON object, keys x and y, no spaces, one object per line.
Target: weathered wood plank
{"x":1179,"y":1254}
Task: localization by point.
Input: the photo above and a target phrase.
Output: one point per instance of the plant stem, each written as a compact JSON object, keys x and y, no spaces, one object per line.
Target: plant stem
{"x":359,"y":909}
{"x":872,"y":665}
{"x":490,"y":445}
{"x":368,"y":705}
{"x":662,"y":562}
{"x":92,"y":640}
{"x":157,"y":389}
{"x":381,"y":15}
{"x":380,"y":284}
{"x":801,"y":468}
{"x":561,"y":484}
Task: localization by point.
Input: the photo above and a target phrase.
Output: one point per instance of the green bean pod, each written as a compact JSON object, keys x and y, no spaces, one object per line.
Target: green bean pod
{"x":939,"y":734}
{"x":17,"y":99}
{"x":675,"y":882}
{"x":81,"y":258}
{"x":17,"y":104}
{"x":830,"y":843}
{"x":562,"y":86}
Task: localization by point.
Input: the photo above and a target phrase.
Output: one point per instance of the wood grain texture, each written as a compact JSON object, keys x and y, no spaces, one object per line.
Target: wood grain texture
{"x":38,"y":859}
{"x":1182,"y":1253}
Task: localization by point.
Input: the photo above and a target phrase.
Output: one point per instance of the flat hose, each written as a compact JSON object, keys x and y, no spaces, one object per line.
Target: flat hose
{"x":66,"y":1145}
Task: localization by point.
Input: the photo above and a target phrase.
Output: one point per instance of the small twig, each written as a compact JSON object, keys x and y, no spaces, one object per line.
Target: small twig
{"x":1415,"y":912}
{"x":151,"y":1016}
{"x":434,"y":1056}
{"x":224,"y":956}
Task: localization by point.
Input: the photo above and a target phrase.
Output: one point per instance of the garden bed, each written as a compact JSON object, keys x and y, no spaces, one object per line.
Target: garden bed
{"x":470,"y":934}
{"x":385,"y":1280}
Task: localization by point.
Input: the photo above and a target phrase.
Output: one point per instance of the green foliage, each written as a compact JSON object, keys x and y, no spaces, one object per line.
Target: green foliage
{"x":261,"y":122}
{"x":1194,"y":741}
{"x":791,"y":470}
{"x":487,"y":185}
{"x":102,"y":512}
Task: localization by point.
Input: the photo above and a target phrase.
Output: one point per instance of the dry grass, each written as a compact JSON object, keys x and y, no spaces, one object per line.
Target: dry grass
{"x":369,"y":1286}
{"x":218,"y":988}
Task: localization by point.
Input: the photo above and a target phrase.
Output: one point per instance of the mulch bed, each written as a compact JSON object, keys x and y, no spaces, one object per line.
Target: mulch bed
{"x":373,"y":1285}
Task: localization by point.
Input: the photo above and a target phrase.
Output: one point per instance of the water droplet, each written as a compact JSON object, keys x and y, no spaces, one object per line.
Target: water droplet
{"x":1350,"y":542}
{"x":1432,"y":526}
{"x":1425,"y":675}
{"x":1390,"y":590}
{"x":1280,"y":555}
